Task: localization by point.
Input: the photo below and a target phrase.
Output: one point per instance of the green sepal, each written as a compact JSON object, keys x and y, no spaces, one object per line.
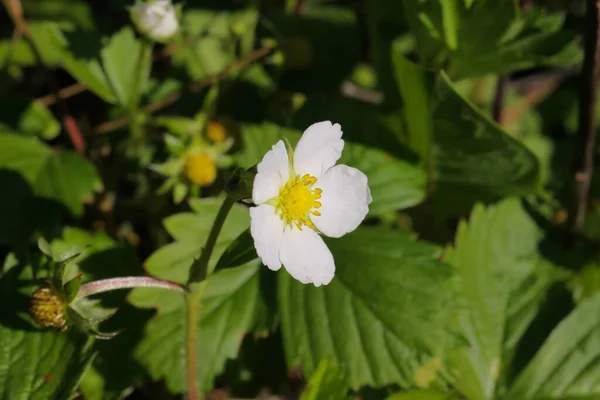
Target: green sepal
{"x":86,"y":314}
{"x":58,"y":268}
{"x":71,"y":288}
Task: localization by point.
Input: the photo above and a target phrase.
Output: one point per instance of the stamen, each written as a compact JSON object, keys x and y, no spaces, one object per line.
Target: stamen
{"x":297,"y":201}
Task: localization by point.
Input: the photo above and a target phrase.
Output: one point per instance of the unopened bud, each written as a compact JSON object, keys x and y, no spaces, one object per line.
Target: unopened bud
{"x":48,"y":309}
{"x":217,"y":132}
{"x":156,"y":19}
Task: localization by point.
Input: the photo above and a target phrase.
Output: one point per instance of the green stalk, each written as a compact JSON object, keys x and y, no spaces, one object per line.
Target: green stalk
{"x":199,"y":272}
{"x":137,"y":134}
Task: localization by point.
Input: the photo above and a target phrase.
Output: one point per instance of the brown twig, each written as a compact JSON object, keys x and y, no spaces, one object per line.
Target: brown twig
{"x":584,"y":151}
{"x":64,"y":93}
{"x":299,"y":7}
{"x":498,"y":105}
{"x":533,"y":91}
{"x":256,"y":55}
{"x":527,"y":4}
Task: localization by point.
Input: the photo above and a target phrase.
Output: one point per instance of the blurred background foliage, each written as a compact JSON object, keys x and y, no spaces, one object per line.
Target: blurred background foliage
{"x":460,"y":284}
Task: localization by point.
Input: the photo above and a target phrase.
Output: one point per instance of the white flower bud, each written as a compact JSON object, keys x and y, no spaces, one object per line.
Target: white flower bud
{"x":155,"y":19}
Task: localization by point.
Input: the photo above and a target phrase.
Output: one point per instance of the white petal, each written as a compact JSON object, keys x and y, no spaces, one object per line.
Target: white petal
{"x":344,"y":201}
{"x":273,"y":172}
{"x":158,"y":20}
{"x":266,"y":228}
{"x":319,"y":149}
{"x":306,"y":257}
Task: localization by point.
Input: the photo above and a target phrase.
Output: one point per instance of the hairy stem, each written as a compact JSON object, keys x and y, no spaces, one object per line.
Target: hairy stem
{"x":128,"y":282}
{"x":584,"y":151}
{"x":145,"y":49}
{"x":196,"y":284}
{"x":193,"y":308}
{"x":199,"y":269}
{"x":135,"y":127}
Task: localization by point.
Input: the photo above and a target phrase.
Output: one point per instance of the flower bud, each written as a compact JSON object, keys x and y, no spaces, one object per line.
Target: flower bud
{"x":217,"y":132}
{"x":155,"y":19}
{"x":201,"y":169}
{"x":48,"y":309}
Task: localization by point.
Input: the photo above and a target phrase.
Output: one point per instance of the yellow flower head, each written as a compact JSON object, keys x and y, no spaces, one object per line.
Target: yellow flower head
{"x":48,"y":309}
{"x":200,"y":168}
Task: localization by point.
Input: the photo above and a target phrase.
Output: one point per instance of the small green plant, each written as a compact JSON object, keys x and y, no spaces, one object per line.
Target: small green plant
{"x":299,"y":199}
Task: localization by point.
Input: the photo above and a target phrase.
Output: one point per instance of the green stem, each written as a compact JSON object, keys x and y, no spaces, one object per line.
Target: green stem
{"x":126,"y":282}
{"x":137,"y":133}
{"x":199,"y":270}
{"x":145,"y":50}
{"x":196,"y":284}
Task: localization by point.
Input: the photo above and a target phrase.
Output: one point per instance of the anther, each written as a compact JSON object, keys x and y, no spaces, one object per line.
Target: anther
{"x":316,"y":204}
{"x":316,"y":213}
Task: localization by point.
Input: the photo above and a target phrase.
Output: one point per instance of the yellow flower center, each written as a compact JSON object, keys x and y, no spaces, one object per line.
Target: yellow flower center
{"x":297,"y":199}
{"x":47,"y":309}
{"x":201,"y":169}
{"x":217,"y":132}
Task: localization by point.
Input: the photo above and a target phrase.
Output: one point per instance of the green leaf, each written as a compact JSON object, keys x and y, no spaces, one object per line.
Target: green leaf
{"x":487,"y":37}
{"x":230,"y":307}
{"x":485,"y":24}
{"x":415,"y":88}
{"x":388,"y":290}
{"x":35,"y":363}
{"x":90,"y":73}
{"x":551,"y":50}
{"x":77,"y":52}
{"x":30,"y":118}
{"x":190,"y":231}
{"x":127,"y":62}
{"x":36,"y":176}
{"x":25,"y":155}
{"x":568,"y":363}
{"x":69,"y":179}
{"x":503,"y":281}
{"x":118,"y":72}
{"x":470,"y":153}
{"x":327,"y":383}
{"x":423,"y":395}
{"x":48,"y":40}
{"x":394,"y":183}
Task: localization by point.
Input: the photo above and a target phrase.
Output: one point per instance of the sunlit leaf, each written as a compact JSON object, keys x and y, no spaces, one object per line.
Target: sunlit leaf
{"x":388,"y":289}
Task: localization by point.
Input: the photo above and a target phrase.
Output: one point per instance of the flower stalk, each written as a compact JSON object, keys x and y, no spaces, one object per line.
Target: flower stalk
{"x":195,"y":287}
{"x":128,"y":282}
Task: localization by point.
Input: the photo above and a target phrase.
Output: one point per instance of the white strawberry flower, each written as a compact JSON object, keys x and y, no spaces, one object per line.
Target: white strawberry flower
{"x":156,"y":19}
{"x":302,"y":195}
